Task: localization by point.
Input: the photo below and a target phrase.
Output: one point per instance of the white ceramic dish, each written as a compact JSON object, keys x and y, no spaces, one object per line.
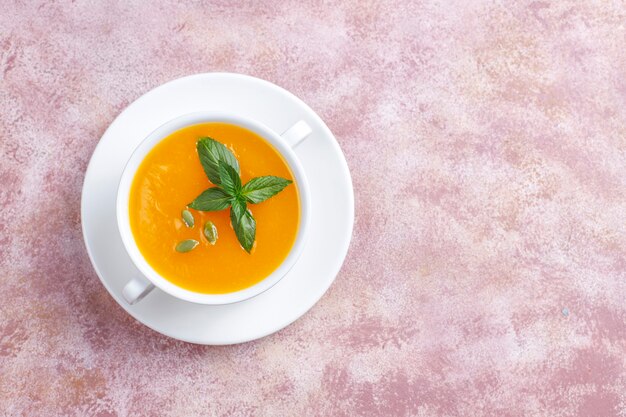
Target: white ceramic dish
{"x":330,"y":228}
{"x":140,"y":285}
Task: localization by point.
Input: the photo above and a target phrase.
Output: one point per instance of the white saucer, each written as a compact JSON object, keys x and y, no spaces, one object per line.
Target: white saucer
{"x":332,"y":209}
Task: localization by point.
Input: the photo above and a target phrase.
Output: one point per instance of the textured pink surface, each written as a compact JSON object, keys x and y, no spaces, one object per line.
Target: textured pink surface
{"x":487,"y":272}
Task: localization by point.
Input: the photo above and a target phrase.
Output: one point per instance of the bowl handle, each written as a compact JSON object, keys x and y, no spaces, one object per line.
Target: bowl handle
{"x":297,"y":133}
{"x":136,"y":289}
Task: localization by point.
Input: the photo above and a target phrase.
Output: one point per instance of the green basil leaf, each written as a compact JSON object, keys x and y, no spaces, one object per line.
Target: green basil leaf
{"x":243,"y":224}
{"x":213,"y":199}
{"x":261,"y":188}
{"x":238,"y":207}
{"x":231,"y":183}
{"x":211,"y":152}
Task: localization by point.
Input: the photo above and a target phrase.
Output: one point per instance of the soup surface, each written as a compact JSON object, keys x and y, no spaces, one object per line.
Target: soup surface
{"x":171,"y":176}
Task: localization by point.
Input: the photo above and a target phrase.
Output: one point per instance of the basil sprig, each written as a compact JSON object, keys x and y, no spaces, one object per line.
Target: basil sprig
{"x":222,"y":169}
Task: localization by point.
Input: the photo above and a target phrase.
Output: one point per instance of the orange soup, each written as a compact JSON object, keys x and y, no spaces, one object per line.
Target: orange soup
{"x":171,"y":176}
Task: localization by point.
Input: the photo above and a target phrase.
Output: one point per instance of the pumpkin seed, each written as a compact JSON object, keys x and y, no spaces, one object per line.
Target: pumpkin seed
{"x":210,"y":232}
{"x":186,"y":245}
{"x":187,"y":218}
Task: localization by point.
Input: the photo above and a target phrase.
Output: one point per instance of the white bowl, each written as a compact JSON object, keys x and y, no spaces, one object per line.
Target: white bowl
{"x":139,"y":286}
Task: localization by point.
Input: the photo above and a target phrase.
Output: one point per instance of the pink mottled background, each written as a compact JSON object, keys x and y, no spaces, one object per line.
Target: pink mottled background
{"x":487,"y":272}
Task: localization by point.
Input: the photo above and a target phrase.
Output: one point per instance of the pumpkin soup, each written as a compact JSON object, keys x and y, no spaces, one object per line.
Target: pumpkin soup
{"x":255,"y":215}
